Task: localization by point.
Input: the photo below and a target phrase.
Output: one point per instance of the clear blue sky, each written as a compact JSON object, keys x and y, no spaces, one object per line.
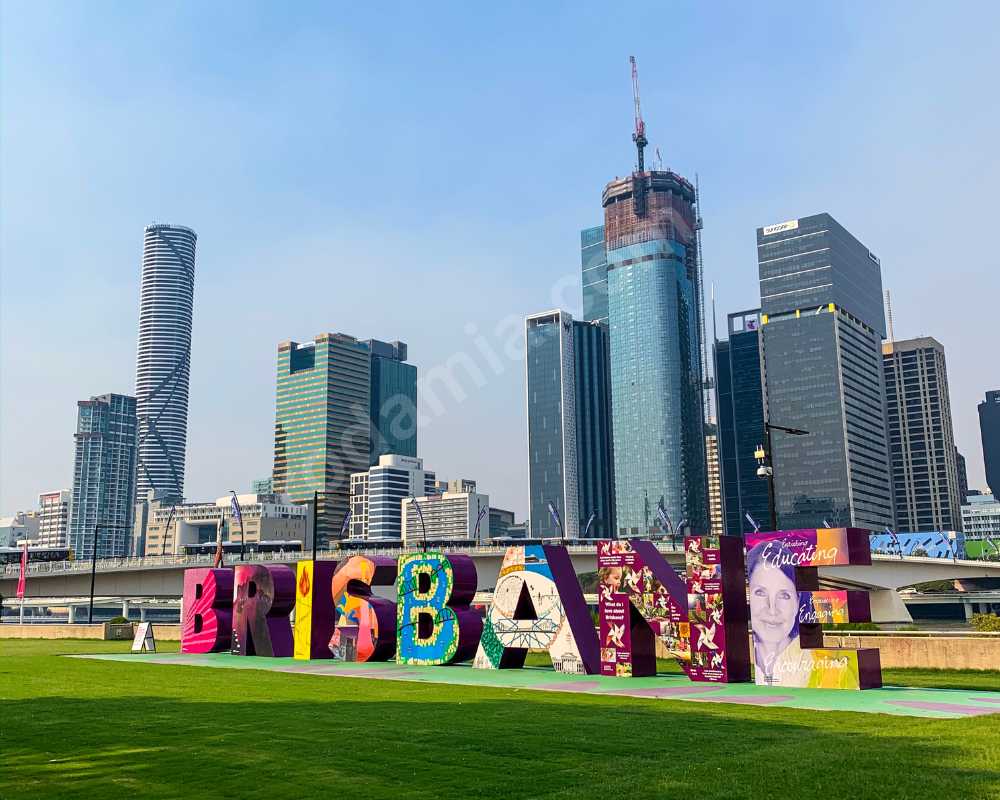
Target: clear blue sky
{"x":422,"y":173}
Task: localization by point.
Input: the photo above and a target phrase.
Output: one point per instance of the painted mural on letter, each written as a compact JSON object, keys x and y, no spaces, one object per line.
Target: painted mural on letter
{"x":528,"y":613}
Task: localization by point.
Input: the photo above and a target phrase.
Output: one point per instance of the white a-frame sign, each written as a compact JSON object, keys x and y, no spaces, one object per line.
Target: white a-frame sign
{"x":144,"y":641}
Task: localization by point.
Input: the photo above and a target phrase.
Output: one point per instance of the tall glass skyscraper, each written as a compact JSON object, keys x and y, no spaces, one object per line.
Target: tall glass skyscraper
{"x":654,"y":317}
{"x":989,"y":428}
{"x":103,"y":476}
{"x":822,"y":327}
{"x":322,"y":430}
{"x":163,"y":364}
{"x":550,"y":382}
{"x":595,"y":463}
{"x":594,"y":263}
{"x":570,"y":462}
{"x":740,"y":403}
{"x":393,"y":401}
{"x":921,"y":439}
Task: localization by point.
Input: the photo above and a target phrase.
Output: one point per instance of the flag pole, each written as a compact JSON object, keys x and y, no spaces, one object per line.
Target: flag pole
{"x":23,"y":580}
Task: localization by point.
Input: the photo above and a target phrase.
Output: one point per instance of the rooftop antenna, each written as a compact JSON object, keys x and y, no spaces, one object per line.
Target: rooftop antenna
{"x":658,"y":161}
{"x":888,"y":311}
{"x":639,"y":136}
{"x":707,"y":376}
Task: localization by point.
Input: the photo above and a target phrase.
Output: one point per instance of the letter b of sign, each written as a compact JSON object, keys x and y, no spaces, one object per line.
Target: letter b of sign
{"x":434,"y":623}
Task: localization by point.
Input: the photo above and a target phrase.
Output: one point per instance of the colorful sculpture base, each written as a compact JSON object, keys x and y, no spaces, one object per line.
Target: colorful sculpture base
{"x":207,"y":626}
{"x":434,"y":623}
{"x":366,"y":624}
{"x":538,"y":605}
{"x":315,"y":613}
{"x":717,"y":609}
{"x":263,"y":597}
{"x":640,"y":599}
{"x":787,"y":609}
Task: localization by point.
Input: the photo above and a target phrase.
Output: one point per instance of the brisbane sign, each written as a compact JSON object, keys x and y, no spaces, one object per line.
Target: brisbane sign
{"x":741,"y":603}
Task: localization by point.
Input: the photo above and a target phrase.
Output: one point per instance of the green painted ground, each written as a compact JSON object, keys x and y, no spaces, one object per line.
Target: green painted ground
{"x":87,"y":728}
{"x":904,"y":701}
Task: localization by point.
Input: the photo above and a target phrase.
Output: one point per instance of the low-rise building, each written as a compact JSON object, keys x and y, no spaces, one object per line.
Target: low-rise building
{"x":377,"y":495}
{"x":981,"y":524}
{"x":501,"y":522}
{"x":265,"y":518}
{"x":446,"y":517}
{"x":22,"y":525}
{"x":53,"y":518}
{"x":262,"y":486}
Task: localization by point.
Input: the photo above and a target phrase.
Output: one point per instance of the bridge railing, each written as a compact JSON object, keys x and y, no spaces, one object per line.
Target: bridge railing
{"x":165,"y":562}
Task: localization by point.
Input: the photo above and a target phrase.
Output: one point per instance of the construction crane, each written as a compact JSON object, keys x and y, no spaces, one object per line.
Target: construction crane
{"x":639,"y":136}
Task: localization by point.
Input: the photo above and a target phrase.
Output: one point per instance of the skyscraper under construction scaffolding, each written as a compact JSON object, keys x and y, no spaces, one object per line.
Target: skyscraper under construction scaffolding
{"x":655,"y":317}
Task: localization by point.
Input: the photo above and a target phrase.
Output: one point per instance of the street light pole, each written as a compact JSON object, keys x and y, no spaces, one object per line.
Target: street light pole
{"x":315,"y":515}
{"x":93,"y":576}
{"x":772,"y":508}
{"x":768,"y":470}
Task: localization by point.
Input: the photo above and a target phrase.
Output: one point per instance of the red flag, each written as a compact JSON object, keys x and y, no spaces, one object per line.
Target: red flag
{"x":24,"y":570}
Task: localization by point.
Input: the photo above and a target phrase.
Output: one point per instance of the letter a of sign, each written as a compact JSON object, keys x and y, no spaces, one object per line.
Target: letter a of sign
{"x":538,"y":604}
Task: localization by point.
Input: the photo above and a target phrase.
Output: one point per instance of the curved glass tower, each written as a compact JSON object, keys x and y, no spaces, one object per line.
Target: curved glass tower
{"x":164,"y":359}
{"x":654,"y":308}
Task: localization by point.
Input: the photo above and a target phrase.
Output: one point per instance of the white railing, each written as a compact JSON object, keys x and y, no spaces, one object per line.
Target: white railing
{"x":167,"y":562}
{"x":486,"y":550}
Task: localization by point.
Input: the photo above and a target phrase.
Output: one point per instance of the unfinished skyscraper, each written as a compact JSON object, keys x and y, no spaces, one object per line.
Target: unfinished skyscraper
{"x":654,"y":291}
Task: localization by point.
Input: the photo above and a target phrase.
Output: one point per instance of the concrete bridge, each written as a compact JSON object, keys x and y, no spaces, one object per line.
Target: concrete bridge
{"x":162,"y":577}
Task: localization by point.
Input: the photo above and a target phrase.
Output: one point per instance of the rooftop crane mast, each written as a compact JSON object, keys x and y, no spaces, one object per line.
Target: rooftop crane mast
{"x":639,"y":136}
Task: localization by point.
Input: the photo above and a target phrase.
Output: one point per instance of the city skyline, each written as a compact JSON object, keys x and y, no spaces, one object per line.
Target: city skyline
{"x":449,"y":275}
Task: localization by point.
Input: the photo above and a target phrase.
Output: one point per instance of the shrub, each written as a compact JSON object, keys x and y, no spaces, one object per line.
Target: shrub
{"x":119,"y":620}
{"x":851,"y":626}
{"x":986,"y":623}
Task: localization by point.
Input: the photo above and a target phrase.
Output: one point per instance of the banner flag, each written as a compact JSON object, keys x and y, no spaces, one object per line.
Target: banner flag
{"x":22,"y":579}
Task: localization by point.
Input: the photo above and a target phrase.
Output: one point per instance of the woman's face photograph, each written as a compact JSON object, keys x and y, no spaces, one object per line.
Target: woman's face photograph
{"x":774,"y":602}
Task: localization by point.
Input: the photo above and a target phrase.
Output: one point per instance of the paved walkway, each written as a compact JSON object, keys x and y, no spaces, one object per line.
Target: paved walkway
{"x":940,"y":703}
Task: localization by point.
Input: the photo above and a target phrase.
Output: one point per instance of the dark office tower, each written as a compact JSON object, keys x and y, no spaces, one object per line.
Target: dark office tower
{"x":164,"y":358}
{"x":963,"y":477}
{"x":594,"y":454}
{"x":921,"y":439}
{"x":822,"y":326}
{"x":654,"y":317}
{"x":550,"y":388}
{"x":594,"y":267}
{"x":393,"y":401}
{"x":570,"y":463}
{"x":103,"y":476}
{"x":322,"y":431}
{"x":989,"y":427}
{"x":740,"y":404}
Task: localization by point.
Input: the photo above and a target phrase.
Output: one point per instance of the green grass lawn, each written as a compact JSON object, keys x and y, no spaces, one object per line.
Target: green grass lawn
{"x":79,"y":728}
